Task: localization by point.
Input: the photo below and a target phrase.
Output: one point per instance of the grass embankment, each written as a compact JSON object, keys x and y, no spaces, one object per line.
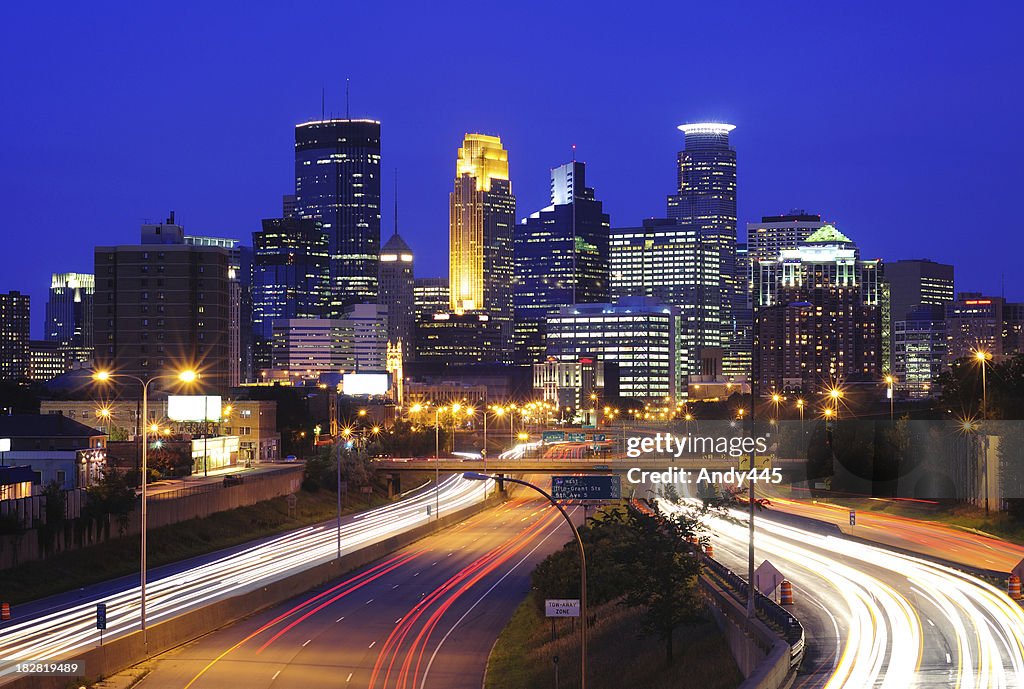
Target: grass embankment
{"x":618,"y":656}
{"x":77,"y":568}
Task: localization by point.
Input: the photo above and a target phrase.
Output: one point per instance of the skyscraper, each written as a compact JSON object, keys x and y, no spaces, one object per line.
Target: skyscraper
{"x":774,"y":233}
{"x":337,"y":182}
{"x":14,"y":334}
{"x":69,"y":314}
{"x":706,"y":199}
{"x":912,"y":284}
{"x":239,"y":302}
{"x":290,"y":277}
{"x":481,"y":219}
{"x":162,"y":306}
{"x":561,"y":258}
{"x":397,"y":292}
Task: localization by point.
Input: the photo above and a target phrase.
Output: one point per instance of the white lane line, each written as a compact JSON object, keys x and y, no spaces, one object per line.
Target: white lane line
{"x":371,"y":644}
{"x":307,"y":643}
{"x":339,"y":619}
{"x":949,"y":659}
{"x":394,"y":587}
{"x":349,"y":679}
{"x":930,"y":622}
{"x":398,"y":620}
{"x":368,"y":602}
{"x":275,"y":675}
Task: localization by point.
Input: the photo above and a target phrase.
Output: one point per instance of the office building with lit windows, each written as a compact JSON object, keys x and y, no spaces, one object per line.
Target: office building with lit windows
{"x":912,"y":284}
{"x":14,"y":336}
{"x":305,"y":348}
{"x":448,"y":337}
{"x":431,"y":296}
{"x":69,"y":313}
{"x":162,"y":306}
{"x":290,"y":277}
{"x":337,"y":182}
{"x":638,"y":334}
{"x":768,"y":238}
{"x":919,"y":351}
{"x":561,"y":258}
{"x":976,"y":322}
{"x":397,"y":292}
{"x":819,"y":321}
{"x":481,"y":224}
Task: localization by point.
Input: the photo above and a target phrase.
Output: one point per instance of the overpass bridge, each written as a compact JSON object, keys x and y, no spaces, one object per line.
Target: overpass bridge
{"x":554,"y":466}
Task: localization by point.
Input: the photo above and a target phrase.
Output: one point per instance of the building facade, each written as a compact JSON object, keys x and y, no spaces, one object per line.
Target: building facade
{"x":768,"y":238}
{"x":919,"y":351}
{"x":163,"y":306}
{"x":561,"y":258}
{"x":15,"y":360}
{"x":337,"y":182}
{"x":69,"y":314}
{"x":976,"y":322}
{"x":481,"y":222}
{"x":306,"y":348}
{"x":397,"y":292}
{"x":454,"y":337}
{"x":639,"y":334}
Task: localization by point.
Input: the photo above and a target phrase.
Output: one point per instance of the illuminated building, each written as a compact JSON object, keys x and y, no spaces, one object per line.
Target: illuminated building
{"x":397,"y":292}
{"x":819,"y":320}
{"x":308,"y":347}
{"x":481,"y":221}
{"x":975,"y":322}
{"x":431,"y":296}
{"x":919,"y":351}
{"x":163,"y":305}
{"x":453,"y":337}
{"x":561,"y":258}
{"x":916,"y":283}
{"x":705,"y":199}
{"x":766,"y":239}
{"x":14,"y":336}
{"x":337,"y":182}
{"x":290,"y":277}
{"x":639,"y":334}
{"x":571,"y":383}
{"x":69,"y":314}
{"x":47,"y":360}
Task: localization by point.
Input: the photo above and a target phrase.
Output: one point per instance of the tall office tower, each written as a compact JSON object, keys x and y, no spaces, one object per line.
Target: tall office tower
{"x":288,"y":206}
{"x":69,"y":313}
{"x":766,"y":239}
{"x":337,"y":181}
{"x":239,"y":301}
{"x":397,"y":292}
{"x":669,"y":262}
{"x":919,"y":350}
{"x":819,"y":322}
{"x":481,"y":216}
{"x":914,"y":283}
{"x":290,"y":278}
{"x":975,"y":322}
{"x":638,"y":334}
{"x":308,"y":347}
{"x":561,"y":258}
{"x":163,"y":305}
{"x":47,"y":360}
{"x":431,"y":296}
{"x":14,"y":336}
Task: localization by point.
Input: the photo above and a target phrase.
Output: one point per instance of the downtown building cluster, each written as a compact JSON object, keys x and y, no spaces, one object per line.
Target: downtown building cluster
{"x":665,"y":307}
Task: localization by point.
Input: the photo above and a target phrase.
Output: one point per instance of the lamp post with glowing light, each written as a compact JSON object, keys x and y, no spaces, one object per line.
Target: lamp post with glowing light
{"x":188,"y":376}
{"x":983,"y":357}
{"x":890,"y":381}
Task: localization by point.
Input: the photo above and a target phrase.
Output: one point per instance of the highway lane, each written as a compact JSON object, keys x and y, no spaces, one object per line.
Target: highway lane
{"x":61,"y":628}
{"x":876,"y":618}
{"x":424,"y":618}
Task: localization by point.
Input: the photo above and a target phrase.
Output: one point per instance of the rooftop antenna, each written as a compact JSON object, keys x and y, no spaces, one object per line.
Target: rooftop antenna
{"x":347,"y":116}
{"x":396,"y":201}
{"x":323,"y":101}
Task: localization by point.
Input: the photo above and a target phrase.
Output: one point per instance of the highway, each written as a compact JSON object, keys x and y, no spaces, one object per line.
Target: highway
{"x":877,"y":618}
{"x":424,"y":618}
{"x":62,"y":627}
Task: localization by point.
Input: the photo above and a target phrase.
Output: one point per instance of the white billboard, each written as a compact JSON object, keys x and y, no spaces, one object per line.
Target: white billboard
{"x":193,"y":407}
{"x":365,"y":384}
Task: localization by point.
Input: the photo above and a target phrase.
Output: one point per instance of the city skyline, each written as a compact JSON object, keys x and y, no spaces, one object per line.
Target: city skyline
{"x":860,"y":139}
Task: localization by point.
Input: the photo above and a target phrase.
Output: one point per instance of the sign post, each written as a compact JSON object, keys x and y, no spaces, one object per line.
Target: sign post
{"x":101,"y":619}
{"x":853,"y":517}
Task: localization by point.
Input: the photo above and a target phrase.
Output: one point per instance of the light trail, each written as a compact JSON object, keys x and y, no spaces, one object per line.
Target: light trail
{"x":71,"y":630}
{"x":879,"y":598}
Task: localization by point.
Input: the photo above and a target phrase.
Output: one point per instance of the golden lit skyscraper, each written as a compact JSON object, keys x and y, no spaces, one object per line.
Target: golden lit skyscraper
{"x":482,"y":218}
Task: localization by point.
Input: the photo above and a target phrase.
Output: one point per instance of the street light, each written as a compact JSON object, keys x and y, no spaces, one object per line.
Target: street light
{"x":187,"y":376}
{"x":891,"y":381}
{"x":983,"y":357}
{"x":474,"y":476}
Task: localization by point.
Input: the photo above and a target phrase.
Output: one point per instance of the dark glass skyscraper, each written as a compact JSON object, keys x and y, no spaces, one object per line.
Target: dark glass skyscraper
{"x":397,"y":292}
{"x":561,"y":258}
{"x":69,"y":312}
{"x":337,"y":182}
{"x":290,"y":277}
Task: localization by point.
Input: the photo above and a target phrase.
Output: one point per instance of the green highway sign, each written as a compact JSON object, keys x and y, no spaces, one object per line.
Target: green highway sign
{"x":586,"y":487}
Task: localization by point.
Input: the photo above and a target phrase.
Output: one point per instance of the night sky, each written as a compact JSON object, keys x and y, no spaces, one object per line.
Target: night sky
{"x":902,"y":124}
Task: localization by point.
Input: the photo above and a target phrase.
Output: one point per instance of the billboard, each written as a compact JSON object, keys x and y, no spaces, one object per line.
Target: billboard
{"x":193,"y":407}
{"x":365,"y":384}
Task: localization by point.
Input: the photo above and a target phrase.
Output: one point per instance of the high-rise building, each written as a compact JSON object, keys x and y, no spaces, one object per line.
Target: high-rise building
{"x":561,"y":258}
{"x":290,"y":277}
{"x":481,"y":220}
{"x":668,"y":262}
{"x":239,"y":302}
{"x":14,"y":336}
{"x":914,"y":283}
{"x":819,"y":322}
{"x":397,"y":292}
{"x":431,"y":296}
{"x":162,"y":306}
{"x":337,"y":182}
{"x":309,"y":347}
{"x":449,"y":337}
{"x":766,"y":239}
{"x":639,"y":334}
{"x":975,"y":322}
{"x":47,"y":360}
{"x":69,"y":314}
{"x":919,"y":350}
{"x":706,"y":199}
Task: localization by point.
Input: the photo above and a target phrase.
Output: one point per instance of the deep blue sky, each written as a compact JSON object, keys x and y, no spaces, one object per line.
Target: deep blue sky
{"x":900,"y":122}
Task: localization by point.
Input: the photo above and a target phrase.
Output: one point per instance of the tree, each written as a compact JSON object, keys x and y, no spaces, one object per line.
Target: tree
{"x":111,"y":496}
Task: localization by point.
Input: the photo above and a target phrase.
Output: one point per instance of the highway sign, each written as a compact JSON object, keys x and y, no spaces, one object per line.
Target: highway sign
{"x":767,"y":578}
{"x":853,"y":518}
{"x":600,"y":437}
{"x":1019,"y":570}
{"x":586,"y":487}
{"x":577,"y":437}
{"x":101,"y":616}
{"x":562,"y":607}
{"x":552,"y":437}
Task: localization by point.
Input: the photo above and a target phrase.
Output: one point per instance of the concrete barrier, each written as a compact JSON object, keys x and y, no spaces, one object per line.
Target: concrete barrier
{"x":126,"y":651}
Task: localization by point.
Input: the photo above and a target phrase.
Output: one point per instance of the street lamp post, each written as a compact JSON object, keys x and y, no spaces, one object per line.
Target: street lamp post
{"x":474,"y":476}
{"x":187,"y":376}
{"x":983,"y":357}
{"x":891,"y":382}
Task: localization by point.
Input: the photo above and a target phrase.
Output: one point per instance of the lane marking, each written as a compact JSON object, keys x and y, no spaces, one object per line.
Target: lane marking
{"x":307,"y":643}
{"x":349,"y":678}
{"x":275,"y":675}
{"x":339,"y":619}
{"x":368,"y":602}
{"x":371,"y":644}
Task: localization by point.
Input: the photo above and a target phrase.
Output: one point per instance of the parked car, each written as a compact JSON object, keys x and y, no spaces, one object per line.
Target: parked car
{"x":291,"y":458}
{"x":233,"y":480}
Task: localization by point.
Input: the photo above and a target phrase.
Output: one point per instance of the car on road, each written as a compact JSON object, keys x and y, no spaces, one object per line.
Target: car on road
{"x":291,"y":458}
{"x":233,"y":480}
